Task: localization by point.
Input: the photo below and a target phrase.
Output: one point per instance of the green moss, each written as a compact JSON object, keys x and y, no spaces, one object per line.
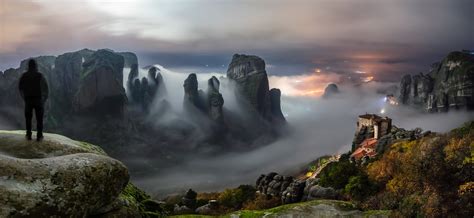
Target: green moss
{"x":339,"y":205}
{"x":377,"y":213}
{"x":465,"y":129}
{"x":92,"y":148}
{"x":141,"y":201}
{"x":196,"y":216}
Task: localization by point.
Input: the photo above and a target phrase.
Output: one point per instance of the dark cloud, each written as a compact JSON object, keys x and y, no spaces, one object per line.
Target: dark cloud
{"x":386,"y":39}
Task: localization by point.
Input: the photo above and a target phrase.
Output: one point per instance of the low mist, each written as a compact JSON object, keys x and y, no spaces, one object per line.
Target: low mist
{"x":317,"y":127}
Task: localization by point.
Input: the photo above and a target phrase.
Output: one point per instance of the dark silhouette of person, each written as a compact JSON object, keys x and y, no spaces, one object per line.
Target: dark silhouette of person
{"x":34,"y":91}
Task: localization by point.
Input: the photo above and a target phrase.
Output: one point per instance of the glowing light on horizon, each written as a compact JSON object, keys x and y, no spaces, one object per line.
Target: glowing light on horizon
{"x":311,"y":85}
{"x":368,"y":79}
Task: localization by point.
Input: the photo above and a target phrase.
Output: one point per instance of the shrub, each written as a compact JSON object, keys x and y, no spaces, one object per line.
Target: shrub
{"x":359,"y":187}
{"x":234,"y":198}
{"x":262,"y":202}
{"x":337,"y":174}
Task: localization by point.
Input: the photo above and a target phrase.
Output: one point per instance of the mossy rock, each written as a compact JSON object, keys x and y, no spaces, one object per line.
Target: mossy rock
{"x":63,"y":177}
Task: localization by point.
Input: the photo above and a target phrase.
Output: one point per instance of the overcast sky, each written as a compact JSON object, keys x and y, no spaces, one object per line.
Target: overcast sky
{"x":384,"y":39}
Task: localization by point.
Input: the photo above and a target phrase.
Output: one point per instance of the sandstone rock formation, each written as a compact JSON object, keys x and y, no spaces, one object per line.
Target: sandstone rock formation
{"x":144,"y":92}
{"x":249,"y":73}
{"x":215,"y":101}
{"x":330,"y":90}
{"x":448,"y":85}
{"x":64,"y":84}
{"x":275,"y":106}
{"x":192,"y":97}
{"x":61,"y":177}
{"x":101,"y":90}
{"x":129,"y":58}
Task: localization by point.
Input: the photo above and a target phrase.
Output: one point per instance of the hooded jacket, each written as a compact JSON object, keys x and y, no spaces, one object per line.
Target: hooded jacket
{"x":33,"y":85}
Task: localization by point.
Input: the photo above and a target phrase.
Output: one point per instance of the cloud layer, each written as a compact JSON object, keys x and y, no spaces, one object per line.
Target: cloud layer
{"x":384,"y":39}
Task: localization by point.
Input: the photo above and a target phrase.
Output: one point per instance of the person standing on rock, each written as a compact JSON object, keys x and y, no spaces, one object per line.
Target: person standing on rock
{"x":34,"y":91}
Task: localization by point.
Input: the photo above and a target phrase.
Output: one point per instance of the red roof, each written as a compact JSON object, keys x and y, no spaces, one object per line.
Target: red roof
{"x":366,"y":148}
{"x":369,"y":143}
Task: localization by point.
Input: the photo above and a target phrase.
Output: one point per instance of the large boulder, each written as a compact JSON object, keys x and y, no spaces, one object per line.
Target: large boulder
{"x":57,"y":177}
{"x":448,"y":85}
{"x":273,"y":184}
{"x":101,"y":90}
{"x":294,"y":192}
{"x":60,"y":177}
{"x":319,"y":192}
{"x":248,"y":72}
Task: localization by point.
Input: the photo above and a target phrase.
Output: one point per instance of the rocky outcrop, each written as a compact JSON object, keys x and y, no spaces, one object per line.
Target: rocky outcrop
{"x":101,"y":90}
{"x":61,"y":177}
{"x":145,"y":91}
{"x":215,"y":101}
{"x":188,"y":203}
{"x":290,"y":190}
{"x":129,"y":58}
{"x":293,"y":193}
{"x":208,"y":208}
{"x":249,"y":73}
{"x":314,"y":191}
{"x":192,"y":97}
{"x":330,"y":90}
{"x":397,"y":134}
{"x":275,"y":106}
{"x":448,"y":85}
{"x":64,"y":84}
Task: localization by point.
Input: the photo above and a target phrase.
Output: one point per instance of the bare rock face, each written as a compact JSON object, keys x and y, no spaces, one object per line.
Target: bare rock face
{"x":448,"y":85}
{"x":129,"y":58}
{"x":144,"y":92}
{"x":56,"y":177}
{"x":249,"y":73}
{"x":101,"y":91}
{"x":192,"y":97}
{"x":275,"y":106}
{"x":215,"y":101}
{"x":64,"y":84}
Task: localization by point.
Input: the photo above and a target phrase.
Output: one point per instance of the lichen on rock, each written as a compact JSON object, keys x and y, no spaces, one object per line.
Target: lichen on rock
{"x":64,"y":178}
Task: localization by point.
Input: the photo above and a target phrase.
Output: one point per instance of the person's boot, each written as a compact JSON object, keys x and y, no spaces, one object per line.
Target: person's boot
{"x":28,"y":136}
{"x":39,"y":137}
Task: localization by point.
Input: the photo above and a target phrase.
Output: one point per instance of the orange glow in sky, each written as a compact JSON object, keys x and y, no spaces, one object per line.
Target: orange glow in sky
{"x":303,"y":85}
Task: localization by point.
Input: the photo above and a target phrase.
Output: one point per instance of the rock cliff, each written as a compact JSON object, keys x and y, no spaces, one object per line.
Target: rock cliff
{"x":101,"y":85}
{"x":248,"y":72}
{"x":145,"y":91}
{"x":448,"y":85}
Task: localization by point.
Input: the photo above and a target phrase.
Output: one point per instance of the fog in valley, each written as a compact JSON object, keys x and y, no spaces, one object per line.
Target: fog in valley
{"x":316,"y":127}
